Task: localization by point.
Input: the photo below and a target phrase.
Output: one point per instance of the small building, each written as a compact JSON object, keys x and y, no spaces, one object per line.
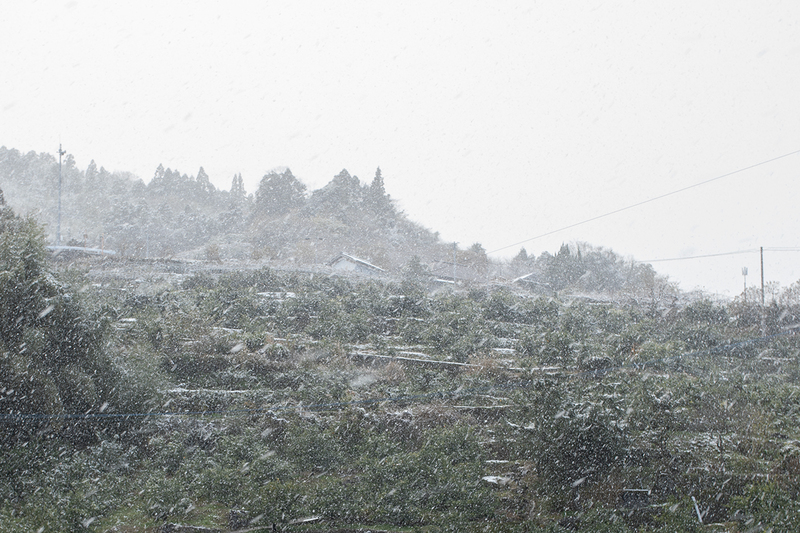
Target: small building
{"x":349,"y":263}
{"x":527,"y":278}
{"x":533,"y":281}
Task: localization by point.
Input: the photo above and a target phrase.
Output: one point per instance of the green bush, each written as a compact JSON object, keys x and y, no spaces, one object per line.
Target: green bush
{"x":52,"y":359}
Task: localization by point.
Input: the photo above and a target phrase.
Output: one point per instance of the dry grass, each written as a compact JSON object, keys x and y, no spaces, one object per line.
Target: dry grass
{"x":393,"y":373}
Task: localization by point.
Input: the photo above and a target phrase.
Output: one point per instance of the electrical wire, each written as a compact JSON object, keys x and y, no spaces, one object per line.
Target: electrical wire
{"x":754,"y":250}
{"x":649,"y":200}
{"x":750,"y":251}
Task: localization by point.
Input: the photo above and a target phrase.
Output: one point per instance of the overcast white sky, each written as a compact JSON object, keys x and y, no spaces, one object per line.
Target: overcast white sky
{"x":492,"y":122}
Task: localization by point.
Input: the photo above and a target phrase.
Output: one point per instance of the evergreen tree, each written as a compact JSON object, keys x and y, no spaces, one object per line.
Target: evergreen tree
{"x":478,"y":249}
{"x":376,"y":187}
{"x":238,"y":193}
{"x":159,"y":175}
{"x":341,"y":197}
{"x":204,"y":183}
{"x":103,"y":175}
{"x":376,"y":198}
{"x":477,"y":259}
{"x":564,"y":269}
{"x":91,"y":173}
{"x":172,"y":179}
{"x":233,"y":218}
{"x":343,"y":181}
{"x":416,"y":270}
{"x":278,"y":194}
{"x":51,"y":358}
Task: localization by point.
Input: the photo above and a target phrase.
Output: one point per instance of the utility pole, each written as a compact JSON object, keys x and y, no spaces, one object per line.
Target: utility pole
{"x":455,"y":244}
{"x":744,"y":274}
{"x":58,"y":226}
{"x":763,"y":309}
{"x":762,"y":276}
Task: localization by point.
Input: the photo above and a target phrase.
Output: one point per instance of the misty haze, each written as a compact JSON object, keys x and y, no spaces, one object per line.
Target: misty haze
{"x":406,"y":268}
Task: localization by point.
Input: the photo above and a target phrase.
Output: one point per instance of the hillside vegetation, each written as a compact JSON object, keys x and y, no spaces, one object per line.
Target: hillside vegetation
{"x":281,"y":224}
{"x":215,"y":374}
{"x":176,"y":214}
{"x":263,"y":399}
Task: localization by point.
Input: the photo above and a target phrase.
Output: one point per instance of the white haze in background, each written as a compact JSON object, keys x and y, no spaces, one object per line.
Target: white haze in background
{"x":492,"y":122}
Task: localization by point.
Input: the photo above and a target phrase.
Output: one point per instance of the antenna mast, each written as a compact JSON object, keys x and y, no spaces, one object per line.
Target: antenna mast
{"x":58,"y":227}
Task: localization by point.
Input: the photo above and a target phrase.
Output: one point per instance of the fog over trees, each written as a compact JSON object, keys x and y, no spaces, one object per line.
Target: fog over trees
{"x":180,"y":216}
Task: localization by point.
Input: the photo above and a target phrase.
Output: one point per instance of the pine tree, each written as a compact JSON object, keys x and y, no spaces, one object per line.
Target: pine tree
{"x":91,"y":172}
{"x":376,"y":198}
{"x":376,"y":188}
{"x":203,"y":182}
{"x":159,"y":175}
{"x":238,"y":193}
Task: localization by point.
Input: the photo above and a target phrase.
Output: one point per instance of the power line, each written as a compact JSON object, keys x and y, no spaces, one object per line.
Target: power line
{"x":646,"y":201}
{"x":754,"y":250}
{"x":750,"y":251}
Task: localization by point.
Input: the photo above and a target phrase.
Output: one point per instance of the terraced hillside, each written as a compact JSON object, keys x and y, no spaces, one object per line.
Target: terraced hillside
{"x":320,"y":402}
